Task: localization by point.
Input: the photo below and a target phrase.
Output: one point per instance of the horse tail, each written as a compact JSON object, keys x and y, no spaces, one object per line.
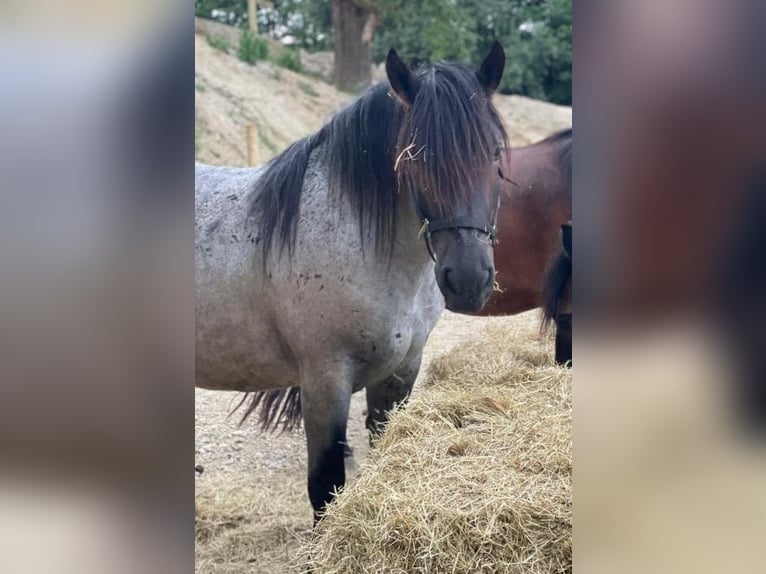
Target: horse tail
{"x":555,"y":285}
{"x":278,"y":407}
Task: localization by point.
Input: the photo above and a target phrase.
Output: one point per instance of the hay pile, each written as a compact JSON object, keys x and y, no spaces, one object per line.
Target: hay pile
{"x":473,"y":476}
{"x":247,"y":524}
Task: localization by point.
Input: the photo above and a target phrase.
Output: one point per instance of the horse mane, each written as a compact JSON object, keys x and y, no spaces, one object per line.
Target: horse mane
{"x":557,"y":281}
{"x":362,"y":144}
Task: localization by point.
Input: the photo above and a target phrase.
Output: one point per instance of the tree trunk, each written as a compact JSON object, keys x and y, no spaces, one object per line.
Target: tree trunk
{"x":353,"y":30}
{"x":252,"y":16}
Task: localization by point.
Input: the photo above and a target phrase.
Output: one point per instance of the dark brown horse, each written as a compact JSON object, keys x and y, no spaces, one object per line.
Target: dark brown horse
{"x":534,"y":207}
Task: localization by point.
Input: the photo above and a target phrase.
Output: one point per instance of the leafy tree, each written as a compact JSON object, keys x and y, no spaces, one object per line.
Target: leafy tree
{"x":537,"y":37}
{"x":428,"y":30}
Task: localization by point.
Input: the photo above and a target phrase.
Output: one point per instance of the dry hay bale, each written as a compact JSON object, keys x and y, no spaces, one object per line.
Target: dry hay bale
{"x":473,"y":476}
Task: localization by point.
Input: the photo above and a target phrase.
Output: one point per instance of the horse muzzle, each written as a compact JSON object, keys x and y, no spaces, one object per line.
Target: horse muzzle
{"x":466,"y":291}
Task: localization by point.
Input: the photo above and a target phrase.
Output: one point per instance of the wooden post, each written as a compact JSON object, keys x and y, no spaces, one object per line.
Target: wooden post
{"x":252,"y":145}
{"x":252,"y":16}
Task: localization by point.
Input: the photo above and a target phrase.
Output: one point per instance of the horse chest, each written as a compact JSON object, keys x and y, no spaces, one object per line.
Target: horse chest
{"x":323,"y":316}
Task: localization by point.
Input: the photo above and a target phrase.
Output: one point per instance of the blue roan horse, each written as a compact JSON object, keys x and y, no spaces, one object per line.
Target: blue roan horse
{"x":320,"y":274}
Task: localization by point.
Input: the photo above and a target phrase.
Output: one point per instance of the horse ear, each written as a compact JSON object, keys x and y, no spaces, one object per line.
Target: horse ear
{"x":400,"y":77}
{"x":566,"y":239}
{"x":491,"y":71}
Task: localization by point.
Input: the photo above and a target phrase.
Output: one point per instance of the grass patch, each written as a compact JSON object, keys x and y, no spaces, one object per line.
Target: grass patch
{"x":218,"y":42}
{"x":200,"y":87}
{"x":289,"y":58}
{"x":308,"y":89}
{"x":252,"y":47}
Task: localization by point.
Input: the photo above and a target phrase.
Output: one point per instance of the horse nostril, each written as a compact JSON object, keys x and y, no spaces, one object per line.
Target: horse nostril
{"x":446,"y":279}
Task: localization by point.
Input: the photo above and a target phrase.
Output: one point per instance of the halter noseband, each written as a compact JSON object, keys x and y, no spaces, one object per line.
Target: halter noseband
{"x":457,"y":222}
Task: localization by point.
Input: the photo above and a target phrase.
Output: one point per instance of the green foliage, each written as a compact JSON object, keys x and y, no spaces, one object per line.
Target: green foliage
{"x":218,"y":42}
{"x":289,"y":58}
{"x":252,"y":47}
{"x":430,"y":30}
{"x":536,"y":35}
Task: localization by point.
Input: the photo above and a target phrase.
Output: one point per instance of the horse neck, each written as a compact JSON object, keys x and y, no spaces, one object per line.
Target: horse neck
{"x":533,"y":166}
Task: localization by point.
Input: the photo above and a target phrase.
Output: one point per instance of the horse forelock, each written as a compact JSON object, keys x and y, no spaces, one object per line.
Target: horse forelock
{"x":448,"y":139}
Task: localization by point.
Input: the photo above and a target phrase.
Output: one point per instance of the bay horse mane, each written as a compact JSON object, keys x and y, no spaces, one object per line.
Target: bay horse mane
{"x":449,"y":127}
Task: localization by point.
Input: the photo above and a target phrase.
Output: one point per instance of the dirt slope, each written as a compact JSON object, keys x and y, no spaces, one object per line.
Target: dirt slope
{"x":287,"y":106}
{"x":231,"y":94}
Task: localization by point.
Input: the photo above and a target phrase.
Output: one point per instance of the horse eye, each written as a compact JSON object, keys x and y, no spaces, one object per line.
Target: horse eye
{"x":498,"y":153}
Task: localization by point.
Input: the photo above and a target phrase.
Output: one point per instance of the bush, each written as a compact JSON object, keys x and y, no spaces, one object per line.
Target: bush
{"x":218,"y":42}
{"x":290,"y":58}
{"x":252,"y":47}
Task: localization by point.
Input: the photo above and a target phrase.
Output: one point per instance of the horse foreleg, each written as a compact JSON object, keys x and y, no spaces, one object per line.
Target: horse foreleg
{"x":382,"y":397}
{"x":325,"y":400}
{"x":564,"y":339}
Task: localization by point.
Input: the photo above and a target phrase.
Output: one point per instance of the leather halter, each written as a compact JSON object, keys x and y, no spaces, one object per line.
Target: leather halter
{"x":456,"y":222}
